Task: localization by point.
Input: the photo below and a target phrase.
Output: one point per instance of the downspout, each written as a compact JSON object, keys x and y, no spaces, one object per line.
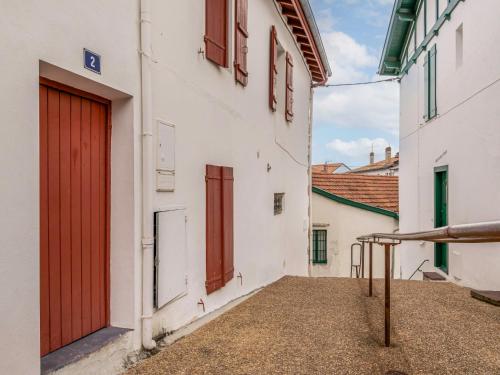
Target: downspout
{"x":147,"y":178}
{"x":309,"y":173}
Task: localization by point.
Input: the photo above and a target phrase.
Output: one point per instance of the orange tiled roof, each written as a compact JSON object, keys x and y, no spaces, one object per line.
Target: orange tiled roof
{"x":326,"y":168}
{"x":377,"y":191}
{"x":383,"y":164}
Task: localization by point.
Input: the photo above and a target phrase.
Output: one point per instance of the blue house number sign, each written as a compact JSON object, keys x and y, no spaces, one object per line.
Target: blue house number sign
{"x":91,"y":61}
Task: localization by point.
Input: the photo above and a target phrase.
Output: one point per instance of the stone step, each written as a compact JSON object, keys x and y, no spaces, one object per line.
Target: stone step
{"x":433,"y":276}
{"x":489,"y":296}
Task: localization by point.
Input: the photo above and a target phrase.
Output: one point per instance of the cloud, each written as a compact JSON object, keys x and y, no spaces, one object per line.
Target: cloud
{"x":348,"y":57}
{"x":358,"y":149}
{"x":369,"y":106}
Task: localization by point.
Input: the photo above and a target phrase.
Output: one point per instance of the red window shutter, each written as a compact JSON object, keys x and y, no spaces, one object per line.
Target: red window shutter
{"x":219,"y":227}
{"x":214,"y":228}
{"x":241,"y":36}
{"x":227,"y":227}
{"x":273,"y":69}
{"x":289,"y":88}
{"x":216,"y":31}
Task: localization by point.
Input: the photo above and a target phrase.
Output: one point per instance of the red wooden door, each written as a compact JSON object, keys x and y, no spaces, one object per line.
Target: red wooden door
{"x":74,"y":215}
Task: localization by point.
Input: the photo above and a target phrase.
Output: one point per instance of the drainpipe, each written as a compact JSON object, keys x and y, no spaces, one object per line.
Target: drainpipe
{"x":309,"y":188}
{"x":147,"y":178}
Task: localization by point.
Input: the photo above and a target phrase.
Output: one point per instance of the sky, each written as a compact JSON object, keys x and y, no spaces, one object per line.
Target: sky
{"x":349,"y":121}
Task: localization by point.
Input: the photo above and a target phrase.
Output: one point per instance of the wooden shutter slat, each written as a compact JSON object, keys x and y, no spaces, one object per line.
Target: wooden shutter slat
{"x":216,"y":31}
{"x":273,"y":70}
{"x":213,"y":228}
{"x":219,"y":227}
{"x":289,"y":87}
{"x":227,"y":217}
{"x":241,"y":42}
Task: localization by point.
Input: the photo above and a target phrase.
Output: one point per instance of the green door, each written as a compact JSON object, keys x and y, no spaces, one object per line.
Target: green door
{"x":441,"y":215}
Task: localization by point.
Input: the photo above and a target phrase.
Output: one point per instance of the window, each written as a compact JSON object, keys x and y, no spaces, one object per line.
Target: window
{"x":216,"y":15}
{"x":430,"y":102}
{"x":219,"y":227}
{"x":459,"y":46}
{"x":319,"y":246}
{"x":278,"y":203}
{"x":241,"y":37}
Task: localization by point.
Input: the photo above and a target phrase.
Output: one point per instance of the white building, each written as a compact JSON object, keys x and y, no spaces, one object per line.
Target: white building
{"x":445,"y":52}
{"x":137,"y":191}
{"x":345,"y":206}
{"x":389,"y":166}
{"x":330,"y":168}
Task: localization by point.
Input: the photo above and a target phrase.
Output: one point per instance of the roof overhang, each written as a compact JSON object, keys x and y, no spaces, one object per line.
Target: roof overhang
{"x":403,"y":15}
{"x":300,"y":18}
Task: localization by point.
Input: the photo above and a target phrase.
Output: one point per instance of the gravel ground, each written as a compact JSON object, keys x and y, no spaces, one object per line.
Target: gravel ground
{"x":329,"y":326}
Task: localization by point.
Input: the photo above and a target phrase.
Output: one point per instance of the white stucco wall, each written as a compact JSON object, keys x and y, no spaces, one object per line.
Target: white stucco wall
{"x":344,"y":224}
{"x":34,"y":35}
{"x":464,"y":136}
{"x":217,"y":122}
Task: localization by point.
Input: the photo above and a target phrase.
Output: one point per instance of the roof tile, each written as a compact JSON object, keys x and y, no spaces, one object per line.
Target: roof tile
{"x":377,"y":191}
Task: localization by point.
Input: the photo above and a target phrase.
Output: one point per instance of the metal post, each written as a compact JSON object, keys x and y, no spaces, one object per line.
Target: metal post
{"x":362,"y":260}
{"x":370,"y":281}
{"x":387,"y":295}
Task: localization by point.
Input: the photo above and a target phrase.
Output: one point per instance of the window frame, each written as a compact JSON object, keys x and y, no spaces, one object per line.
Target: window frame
{"x":316,"y":251}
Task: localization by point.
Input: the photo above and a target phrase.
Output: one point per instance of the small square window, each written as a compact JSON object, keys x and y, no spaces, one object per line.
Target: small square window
{"x":278,"y":203}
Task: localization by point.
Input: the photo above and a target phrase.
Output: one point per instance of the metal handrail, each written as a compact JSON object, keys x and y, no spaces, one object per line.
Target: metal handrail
{"x":466,"y":233}
{"x":486,"y":232}
{"x":418,"y":268}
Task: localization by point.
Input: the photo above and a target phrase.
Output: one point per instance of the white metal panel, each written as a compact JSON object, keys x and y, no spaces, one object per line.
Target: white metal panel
{"x":166,"y":147}
{"x":171,"y":256}
{"x":165,"y":181}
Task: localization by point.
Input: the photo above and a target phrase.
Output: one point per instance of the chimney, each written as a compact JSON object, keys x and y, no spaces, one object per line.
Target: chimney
{"x":372,"y":157}
{"x":388,"y":153}
{"x":325,"y":167}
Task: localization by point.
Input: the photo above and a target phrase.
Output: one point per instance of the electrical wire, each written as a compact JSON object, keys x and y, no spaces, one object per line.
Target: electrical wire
{"x":362,"y":83}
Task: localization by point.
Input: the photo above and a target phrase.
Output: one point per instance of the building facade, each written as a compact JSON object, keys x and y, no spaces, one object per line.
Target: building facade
{"x":344,"y":207}
{"x":330,"y":168}
{"x":444,"y":52}
{"x":140,"y":163}
{"x":389,"y":166}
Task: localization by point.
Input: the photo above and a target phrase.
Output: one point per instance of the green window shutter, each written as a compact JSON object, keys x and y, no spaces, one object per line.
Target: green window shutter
{"x":432,"y":83}
{"x":426,"y":87}
{"x":319,"y":246}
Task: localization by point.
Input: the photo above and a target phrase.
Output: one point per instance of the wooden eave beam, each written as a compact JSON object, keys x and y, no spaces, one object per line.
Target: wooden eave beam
{"x":299,"y":31}
{"x":302,"y":39}
{"x":296,"y":18}
{"x":294,"y":22}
